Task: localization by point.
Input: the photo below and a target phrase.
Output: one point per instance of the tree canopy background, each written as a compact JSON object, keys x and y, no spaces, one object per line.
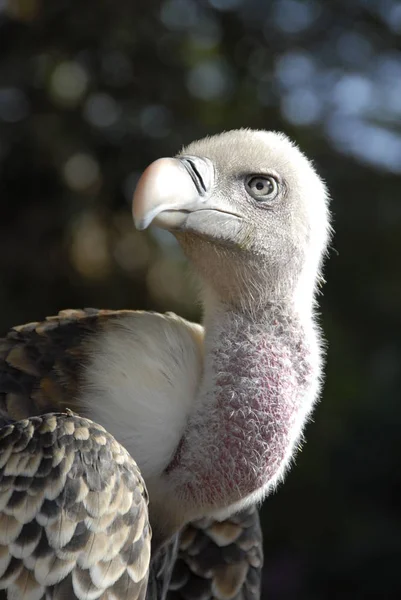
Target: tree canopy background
{"x":91,"y":91}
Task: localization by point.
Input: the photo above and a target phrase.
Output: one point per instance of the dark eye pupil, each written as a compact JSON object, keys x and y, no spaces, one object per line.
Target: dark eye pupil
{"x":261,"y":188}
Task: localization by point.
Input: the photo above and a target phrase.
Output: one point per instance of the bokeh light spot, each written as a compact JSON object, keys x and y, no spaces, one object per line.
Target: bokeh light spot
{"x":89,"y":252}
{"x":390,"y":11}
{"x":132,"y":251}
{"x":68,"y":84}
{"x":81,"y":172}
{"x":294,"y":68}
{"x":101,"y":110}
{"x":353,"y":93}
{"x":369,"y":143}
{"x":155,"y":121}
{"x":210,"y":80}
{"x":301,"y":106}
{"x":294,"y":16}
{"x":207,"y":33}
{"x":179,"y":15}
{"x":354,"y":48}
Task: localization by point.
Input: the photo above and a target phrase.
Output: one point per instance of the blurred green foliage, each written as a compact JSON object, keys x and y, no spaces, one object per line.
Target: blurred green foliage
{"x":92,"y":91}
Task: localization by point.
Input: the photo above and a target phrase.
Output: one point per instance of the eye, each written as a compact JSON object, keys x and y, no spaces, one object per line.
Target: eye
{"x":262,"y":188}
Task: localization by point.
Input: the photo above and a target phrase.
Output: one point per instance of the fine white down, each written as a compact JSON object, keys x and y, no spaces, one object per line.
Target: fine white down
{"x":142,"y":382}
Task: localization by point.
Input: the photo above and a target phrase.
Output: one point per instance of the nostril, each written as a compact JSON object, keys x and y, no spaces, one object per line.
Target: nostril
{"x":195,"y":174}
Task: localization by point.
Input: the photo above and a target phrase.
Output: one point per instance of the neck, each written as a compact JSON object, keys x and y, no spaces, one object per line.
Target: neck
{"x":259,"y":383}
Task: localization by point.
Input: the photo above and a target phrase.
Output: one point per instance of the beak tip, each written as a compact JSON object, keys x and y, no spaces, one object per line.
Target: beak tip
{"x":141,"y":222}
{"x":139,"y":225}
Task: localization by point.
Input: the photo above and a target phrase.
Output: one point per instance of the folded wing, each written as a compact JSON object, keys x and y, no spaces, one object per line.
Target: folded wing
{"x":219,"y":559}
{"x":73,"y":512}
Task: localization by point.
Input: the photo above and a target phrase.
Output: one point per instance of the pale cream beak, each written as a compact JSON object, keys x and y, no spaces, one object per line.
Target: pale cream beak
{"x":169,"y":189}
{"x":181,"y":195}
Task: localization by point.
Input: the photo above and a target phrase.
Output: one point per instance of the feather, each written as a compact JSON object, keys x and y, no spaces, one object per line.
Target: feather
{"x":40,"y":552}
{"x":219,"y":559}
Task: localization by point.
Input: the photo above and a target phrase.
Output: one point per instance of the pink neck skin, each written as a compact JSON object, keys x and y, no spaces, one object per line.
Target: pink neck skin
{"x":258,"y":387}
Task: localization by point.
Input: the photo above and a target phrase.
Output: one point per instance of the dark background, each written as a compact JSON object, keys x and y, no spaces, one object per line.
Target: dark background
{"x":92,"y":91}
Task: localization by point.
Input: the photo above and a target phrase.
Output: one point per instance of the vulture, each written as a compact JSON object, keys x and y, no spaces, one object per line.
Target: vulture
{"x":135,"y":447}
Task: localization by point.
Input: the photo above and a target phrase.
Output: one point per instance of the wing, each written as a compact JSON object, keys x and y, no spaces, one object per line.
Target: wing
{"x":73,"y":513}
{"x":219,"y":560}
{"x":73,"y":505}
{"x":41,"y":363}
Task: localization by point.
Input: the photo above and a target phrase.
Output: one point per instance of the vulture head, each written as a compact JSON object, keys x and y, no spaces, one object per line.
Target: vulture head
{"x":251,"y":214}
{"x":249,"y":211}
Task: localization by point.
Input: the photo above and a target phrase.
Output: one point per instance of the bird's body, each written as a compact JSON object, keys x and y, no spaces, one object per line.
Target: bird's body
{"x":211,"y":415}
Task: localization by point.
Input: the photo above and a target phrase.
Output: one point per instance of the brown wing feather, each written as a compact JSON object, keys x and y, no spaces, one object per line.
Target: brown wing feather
{"x":41,"y":363}
{"x":219,"y":560}
{"x":73,"y":513}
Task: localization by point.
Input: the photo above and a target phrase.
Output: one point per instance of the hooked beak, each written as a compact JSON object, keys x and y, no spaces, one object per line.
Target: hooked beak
{"x":176,"y":194}
{"x":169,"y":189}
